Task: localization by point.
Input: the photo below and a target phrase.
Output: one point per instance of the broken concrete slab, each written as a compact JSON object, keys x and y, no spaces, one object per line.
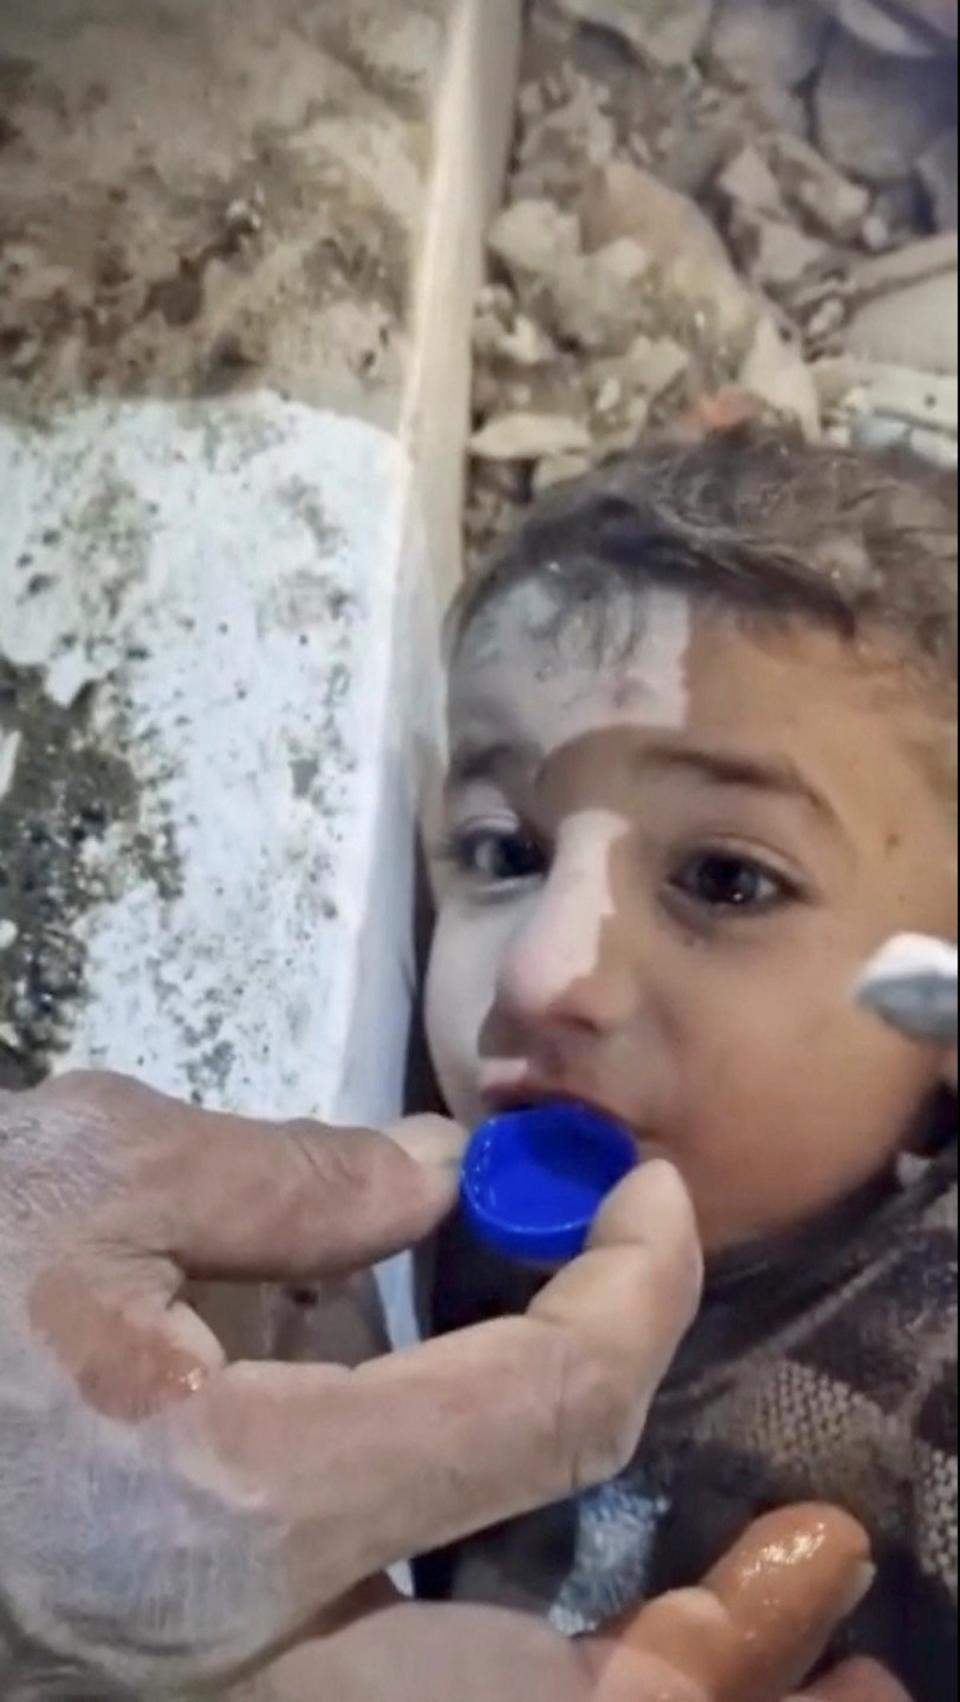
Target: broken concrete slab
{"x":878,"y":406}
{"x":913,"y":327}
{"x":929,"y":258}
{"x":748,"y":182}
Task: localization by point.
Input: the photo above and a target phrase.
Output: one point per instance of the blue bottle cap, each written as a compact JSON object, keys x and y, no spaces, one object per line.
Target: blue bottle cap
{"x":533,"y":1181}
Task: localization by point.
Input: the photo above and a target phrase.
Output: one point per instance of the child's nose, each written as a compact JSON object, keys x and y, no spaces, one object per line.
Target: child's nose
{"x":569,"y":963}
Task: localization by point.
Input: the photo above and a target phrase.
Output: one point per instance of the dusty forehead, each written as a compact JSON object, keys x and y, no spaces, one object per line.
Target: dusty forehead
{"x":533,"y":646}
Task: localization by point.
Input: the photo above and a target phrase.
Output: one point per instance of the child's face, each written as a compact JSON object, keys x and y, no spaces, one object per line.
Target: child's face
{"x":667,"y":874}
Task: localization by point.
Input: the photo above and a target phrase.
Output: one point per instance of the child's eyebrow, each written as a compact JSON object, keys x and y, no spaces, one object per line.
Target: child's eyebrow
{"x":758,"y":774}
{"x":473,"y":762}
{"x":476,"y":761}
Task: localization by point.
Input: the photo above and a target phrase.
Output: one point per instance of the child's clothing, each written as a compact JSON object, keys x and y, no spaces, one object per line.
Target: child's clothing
{"x":826,"y":1370}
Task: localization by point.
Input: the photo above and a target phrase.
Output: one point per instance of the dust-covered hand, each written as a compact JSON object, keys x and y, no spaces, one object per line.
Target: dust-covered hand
{"x":167,"y":1520}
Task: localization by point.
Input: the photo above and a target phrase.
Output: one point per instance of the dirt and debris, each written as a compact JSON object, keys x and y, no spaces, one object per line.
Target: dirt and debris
{"x":186,"y":205}
{"x":719,"y":211}
{"x":68,"y":808}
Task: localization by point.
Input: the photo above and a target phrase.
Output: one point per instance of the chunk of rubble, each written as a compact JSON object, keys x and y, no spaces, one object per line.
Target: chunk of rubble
{"x":929,"y":258}
{"x":877,"y":406}
{"x":654,"y":366}
{"x":529,"y":437}
{"x":830,"y":201}
{"x":555,"y":150}
{"x":876,"y":115}
{"x":692,"y":263}
{"x":777,"y":375}
{"x":668,"y":32}
{"x":768,"y":41}
{"x":534,"y":240}
{"x":559,"y":470}
{"x":938,"y":174}
{"x":596,"y":302}
{"x":748,"y":182}
{"x":781,"y":255}
{"x":913,"y":327}
{"x":882,"y":29}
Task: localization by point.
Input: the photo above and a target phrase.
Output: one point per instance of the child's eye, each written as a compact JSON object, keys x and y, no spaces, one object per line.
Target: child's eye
{"x":724,"y":880}
{"x":498,"y":856}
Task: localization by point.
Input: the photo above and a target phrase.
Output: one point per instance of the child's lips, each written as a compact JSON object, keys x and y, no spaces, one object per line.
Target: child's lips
{"x":523,"y":1093}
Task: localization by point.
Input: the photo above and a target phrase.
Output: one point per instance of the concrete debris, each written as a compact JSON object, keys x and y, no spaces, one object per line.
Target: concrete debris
{"x":914,"y":327}
{"x":669,"y":32}
{"x":654,"y":367}
{"x":833,"y":204}
{"x":748,"y":182}
{"x":69,"y":676}
{"x":703,"y":227}
{"x":568,"y":140}
{"x":938,"y":174}
{"x":927,"y":259}
{"x":768,"y":41}
{"x":534,"y":240}
{"x":8,"y":936}
{"x":882,"y":29}
{"x":692,"y":263}
{"x":518,"y":341}
{"x":529,"y":437}
{"x":777,"y":375}
{"x":558,"y":470}
{"x":779,"y":256}
{"x":877,"y":115}
{"x":596,"y":300}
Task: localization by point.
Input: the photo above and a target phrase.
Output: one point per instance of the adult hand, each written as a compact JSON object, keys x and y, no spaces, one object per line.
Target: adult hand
{"x":758,"y":1624}
{"x":166,"y":1519}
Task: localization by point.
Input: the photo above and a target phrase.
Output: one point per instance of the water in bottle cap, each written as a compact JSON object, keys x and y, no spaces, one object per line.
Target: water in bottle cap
{"x":534,"y":1180}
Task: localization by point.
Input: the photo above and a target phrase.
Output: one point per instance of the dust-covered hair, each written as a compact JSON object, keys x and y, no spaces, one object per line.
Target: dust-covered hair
{"x":759,"y":525}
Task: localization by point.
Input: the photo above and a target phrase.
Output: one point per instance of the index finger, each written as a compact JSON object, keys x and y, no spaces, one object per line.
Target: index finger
{"x":359,"y":1470}
{"x":227,"y":1197}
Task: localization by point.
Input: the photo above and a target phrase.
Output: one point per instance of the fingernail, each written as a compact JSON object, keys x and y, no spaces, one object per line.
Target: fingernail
{"x":860,"y":1586}
{"x":432,"y":1141}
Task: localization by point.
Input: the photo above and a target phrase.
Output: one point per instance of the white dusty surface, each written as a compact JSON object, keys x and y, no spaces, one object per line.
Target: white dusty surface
{"x":247,"y":554}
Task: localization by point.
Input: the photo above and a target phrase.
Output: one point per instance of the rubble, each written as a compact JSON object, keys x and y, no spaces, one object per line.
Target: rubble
{"x":666,"y":31}
{"x":835,"y":206}
{"x":693,"y":265}
{"x":534,"y":240}
{"x":744,"y":210}
{"x":876,"y":115}
{"x":776,"y":373}
{"x":596,"y":300}
{"x":768,"y":41}
{"x":914,"y":327}
{"x":529,"y":437}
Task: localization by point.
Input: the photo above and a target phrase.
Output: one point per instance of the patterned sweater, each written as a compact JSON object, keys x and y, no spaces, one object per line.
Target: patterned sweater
{"x":824,"y":1369}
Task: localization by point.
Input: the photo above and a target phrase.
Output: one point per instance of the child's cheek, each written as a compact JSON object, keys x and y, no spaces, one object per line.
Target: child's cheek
{"x":461,"y":989}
